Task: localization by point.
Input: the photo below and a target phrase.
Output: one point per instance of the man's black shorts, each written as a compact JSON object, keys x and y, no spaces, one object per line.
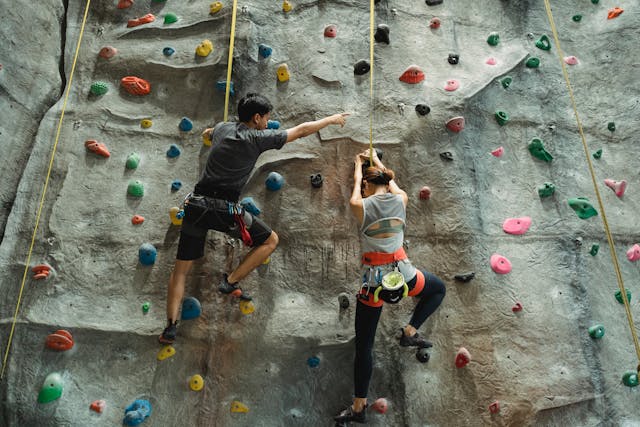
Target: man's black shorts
{"x":202,"y":214}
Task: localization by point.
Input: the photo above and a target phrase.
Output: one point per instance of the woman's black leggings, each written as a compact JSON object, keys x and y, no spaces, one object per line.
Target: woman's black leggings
{"x":367,"y":322}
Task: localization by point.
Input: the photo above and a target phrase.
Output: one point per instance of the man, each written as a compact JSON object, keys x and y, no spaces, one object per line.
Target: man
{"x":235,"y":149}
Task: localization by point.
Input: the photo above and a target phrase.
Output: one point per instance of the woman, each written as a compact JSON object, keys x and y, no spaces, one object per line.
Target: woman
{"x":380,"y":205}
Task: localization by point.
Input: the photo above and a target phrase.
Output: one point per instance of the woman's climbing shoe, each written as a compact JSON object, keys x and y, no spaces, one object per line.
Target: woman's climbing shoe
{"x":349,"y":414}
{"x":414,"y":341}
{"x":168,"y":336}
{"x":227,"y":288}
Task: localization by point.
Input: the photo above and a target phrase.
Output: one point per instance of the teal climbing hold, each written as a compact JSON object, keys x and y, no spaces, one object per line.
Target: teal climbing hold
{"x":51,"y":388}
{"x":596,"y":331}
{"x":532,"y":62}
{"x":191,"y":308}
{"x":619,"y":296}
{"x":176,"y":185}
{"x":135,"y":189}
{"x":595,"y":1}
{"x":576,"y":18}
{"x":264,"y":51}
{"x":147,"y":254}
{"x":173,"y":151}
{"x":313,"y":361}
{"x":582,"y":207}
{"x":597,"y":154}
{"x":170,"y":18}
{"x":630,"y":378}
{"x":594,"y":249}
{"x":611,"y":126}
{"x":133,"y":160}
{"x":506,"y":82}
{"x":537,"y":150}
{"x":249,"y":205}
{"x":493,"y":39}
{"x":543,"y":42}
{"x":502,"y":117}
{"x":274,"y":181}
{"x":137,"y":412}
{"x":546,"y":190}
{"x":185,"y":124}
{"x":273,"y":124}
{"x":99,"y":88}
{"x":221,"y":85}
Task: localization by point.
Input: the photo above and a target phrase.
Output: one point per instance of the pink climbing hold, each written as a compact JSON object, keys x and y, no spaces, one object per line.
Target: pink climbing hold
{"x":124,"y":4}
{"x":570,"y":60}
{"x":435,"y":23}
{"x":516,"y":225}
{"x":500,"y":264}
{"x":331,"y":31}
{"x":98,"y":406}
{"x":425,"y":193}
{"x":491,"y":61}
{"x":517,"y":307}
{"x":412,"y":75}
{"x":618,"y":187}
{"x":451,"y":85}
{"x":455,"y":124}
{"x":463,"y":357}
{"x":498,"y":152}
{"x":380,"y":405}
{"x":633,"y":254}
{"x":494,"y":408}
{"x":108,"y":52}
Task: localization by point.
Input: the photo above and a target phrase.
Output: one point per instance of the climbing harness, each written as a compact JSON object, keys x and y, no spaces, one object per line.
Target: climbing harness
{"x":389,"y":287}
{"x":237,"y":211}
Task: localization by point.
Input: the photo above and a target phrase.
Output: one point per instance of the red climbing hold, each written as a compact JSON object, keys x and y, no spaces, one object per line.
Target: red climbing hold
{"x":494,"y":408}
{"x":615,"y":12}
{"x":380,"y":405}
{"x":455,"y":124}
{"x":412,"y":75}
{"x":498,"y":152}
{"x":124,"y":4}
{"x":516,"y":225}
{"x":617,"y":186}
{"x":331,"y":31}
{"x":500,"y":264}
{"x":108,"y":52}
{"x":137,"y":219}
{"x":633,"y":254}
{"x":142,"y":20}
{"x":463,"y":357}
{"x":41,"y":271}
{"x":435,"y":23}
{"x":135,"y":85}
{"x":97,"y":147}
{"x":517,"y":307}
{"x":98,"y":406}
{"x":425,"y":193}
{"x":60,"y":340}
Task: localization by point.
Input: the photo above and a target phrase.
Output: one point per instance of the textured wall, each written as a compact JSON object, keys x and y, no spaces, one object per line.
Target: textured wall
{"x":540,"y":364}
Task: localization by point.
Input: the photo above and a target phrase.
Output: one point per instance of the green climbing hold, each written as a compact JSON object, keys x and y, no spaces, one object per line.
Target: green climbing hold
{"x":506,"y":82}
{"x":596,"y":331}
{"x":537,"y":150}
{"x":502,"y":117}
{"x":595,"y":1}
{"x":582,"y":207}
{"x":532,"y":62}
{"x":493,"y":39}
{"x":135,"y":189}
{"x":597,"y":154}
{"x":630,"y":378}
{"x":619,"y":296}
{"x":594,"y":249}
{"x":133,"y":160}
{"x":170,"y":18}
{"x":145,"y":307}
{"x":576,"y":18}
{"x":51,"y":388}
{"x":546,"y":190}
{"x":99,"y":88}
{"x":543,"y":42}
{"x":611,"y":126}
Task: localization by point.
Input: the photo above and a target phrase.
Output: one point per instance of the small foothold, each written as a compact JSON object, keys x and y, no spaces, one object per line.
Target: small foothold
{"x":331,"y":31}
{"x":287,"y":6}
{"x":435,"y":23}
{"x":465,"y":277}
{"x":196,"y":382}
{"x":173,"y":151}
{"x":98,"y":406}
{"x":380,"y":405}
{"x":316,"y":180}
{"x":537,"y":150}
{"x":133,"y":160}
{"x":274,"y":181}
{"x":582,"y":207}
{"x":265,"y":51}
{"x":570,"y":60}
{"x":595,"y":1}
{"x":532,"y":62}
{"x":51,"y":388}
{"x":283,"y":73}
{"x":137,"y":412}
{"x":500,"y":264}
{"x":463,"y":357}
{"x":614,"y":12}
{"x":147,"y":254}
{"x":191,"y":308}
{"x":273,"y":124}
{"x":135,"y":85}
{"x":451,"y":85}
{"x":547,"y":189}
{"x":176,"y":185}
{"x":108,"y":52}
{"x":313,"y":361}
{"x":215,"y":8}
{"x":135,"y":189}
{"x":618,"y":187}
{"x":633,"y":253}
{"x":99,"y":88}
{"x":502,"y":117}
{"x":382,"y":34}
{"x":239,"y":407}
{"x":506,"y":82}
{"x":618,"y":296}
{"x":494,"y":408}
{"x":433,"y":2}
{"x":543,"y":42}
{"x":361,"y":67}
{"x":425,"y":193}
{"x":221,"y":85}
{"x":493,"y":39}
{"x":491,"y":61}
{"x":204,"y":48}
{"x":149,"y":17}
{"x":597,"y":154}
{"x":146,"y":123}
{"x":594,"y":249}
{"x":124,"y":4}
{"x":630,"y":378}
{"x":185,"y":124}
{"x":516,"y":225}
{"x":412,"y":75}
{"x":455,"y":124}
{"x":247,"y":307}
{"x":168,"y":51}
{"x":176,"y":215}
{"x":446,"y":155}
{"x":97,"y":147}
{"x":576,"y":18}
{"x":166,"y":352}
{"x":596,"y":331}
{"x":498,"y":152}
{"x":453,"y":58}
{"x":137,"y":219}
{"x":423,"y":109}
{"x":41,"y":271}
{"x":250,"y":206}
{"x":611,"y":126}
{"x":343,"y":300}
{"x":517,"y":307}
{"x":422,"y":354}
{"x":170,"y":18}
{"x":60,"y":340}
{"x":145,"y":307}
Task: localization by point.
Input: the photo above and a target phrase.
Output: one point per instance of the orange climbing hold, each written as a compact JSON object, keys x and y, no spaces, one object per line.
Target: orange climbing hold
{"x":412,"y":75}
{"x":98,"y":406}
{"x":60,"y":340}
{"x":124,"y":4}
{"x":137,"y":219}
{"x":615,"y":12}
{"x":97,"y":147}
{"x":149,"y":17}
{"x":41,"y":271}
{"x":135,"y":85}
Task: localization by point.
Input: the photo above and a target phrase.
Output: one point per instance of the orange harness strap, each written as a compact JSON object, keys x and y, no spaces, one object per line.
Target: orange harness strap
{"x":381,"y":258}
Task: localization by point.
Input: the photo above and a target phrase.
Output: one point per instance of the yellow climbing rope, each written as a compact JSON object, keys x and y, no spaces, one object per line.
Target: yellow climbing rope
{"x":44,"y":192}
{"x":372,"y":19}
{"x":614,"y":257}
{"x":232,"y":39}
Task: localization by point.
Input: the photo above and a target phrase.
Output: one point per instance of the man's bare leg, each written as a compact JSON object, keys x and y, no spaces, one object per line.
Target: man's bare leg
{"x":254,"y":258}
{"x":174,"y":297}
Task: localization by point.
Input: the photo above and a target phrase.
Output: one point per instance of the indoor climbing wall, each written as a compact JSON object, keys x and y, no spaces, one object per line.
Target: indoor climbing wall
{"x":471,"y":110}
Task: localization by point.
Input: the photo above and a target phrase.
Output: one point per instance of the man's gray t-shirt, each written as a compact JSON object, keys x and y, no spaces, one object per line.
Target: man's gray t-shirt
{"x":235,"y":149}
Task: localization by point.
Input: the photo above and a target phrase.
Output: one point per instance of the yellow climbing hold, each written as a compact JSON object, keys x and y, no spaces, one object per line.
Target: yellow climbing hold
{"x":175,"y":215}
{"x":215,"y":7}
{"x":266,"y":261}
{"x":166,"y":352}
{"x":204,"y":48}
{"x":205,"y":140}
{"x":247,"y":307}
{"x":239,"y":407}
{"x":196,"y":383}
{"x":287,"y":6}
{"x":283,"y":73}
{"x":146,"y":123}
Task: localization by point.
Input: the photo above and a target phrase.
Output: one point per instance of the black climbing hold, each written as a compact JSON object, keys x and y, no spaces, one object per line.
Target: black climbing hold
{"x":453,"y":59}
{"x":433,"y":2}
{"x":465,"y":277}
{"x":382,"y":34}
{"x":423,"y":109}
{"x":446,"y":155}
{"x":361,"y":67}
{"x":422,"y":355}
{"x":316,"y":180}
{"x":343,"y":300}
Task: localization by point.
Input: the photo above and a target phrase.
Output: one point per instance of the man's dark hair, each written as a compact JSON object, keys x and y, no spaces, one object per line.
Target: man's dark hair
{"x":253,"y":103}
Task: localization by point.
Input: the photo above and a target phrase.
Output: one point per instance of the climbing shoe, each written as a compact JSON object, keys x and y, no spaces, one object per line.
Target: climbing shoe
{"x":168,"y":336}
{"x":227,"y":288}
{"x":349,"y":415}
{"x":414,"y":341}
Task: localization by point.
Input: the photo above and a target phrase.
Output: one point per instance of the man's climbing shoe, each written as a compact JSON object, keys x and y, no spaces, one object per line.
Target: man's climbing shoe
{"x":168,"y":336}
{"x":414,"y":341}
{"x":348,"y":415}
{"x":227,"y":288}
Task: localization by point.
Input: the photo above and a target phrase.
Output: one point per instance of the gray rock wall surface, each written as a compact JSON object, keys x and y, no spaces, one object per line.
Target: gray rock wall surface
{"x":540,"y":363}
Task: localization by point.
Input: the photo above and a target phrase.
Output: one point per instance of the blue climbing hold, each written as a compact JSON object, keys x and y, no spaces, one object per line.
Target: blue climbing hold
{"x":264,"y":51}
{"x":185,"y":124}
{"x":221,"y":85}
{"x":191,"y":308}
{"x":173,"y":151}
{"x":176,"y":185}
{"x":168,"y":51}
{"x":313,"y":361}
{"x":274,"y":181}
{"x":273,"y":124}
{"x":147,"y":254}
{"x":137,"y":412}
{"x":249,"y":205}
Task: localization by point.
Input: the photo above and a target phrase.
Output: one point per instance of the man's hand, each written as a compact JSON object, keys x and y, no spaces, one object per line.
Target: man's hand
{"x":339,"y":119}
